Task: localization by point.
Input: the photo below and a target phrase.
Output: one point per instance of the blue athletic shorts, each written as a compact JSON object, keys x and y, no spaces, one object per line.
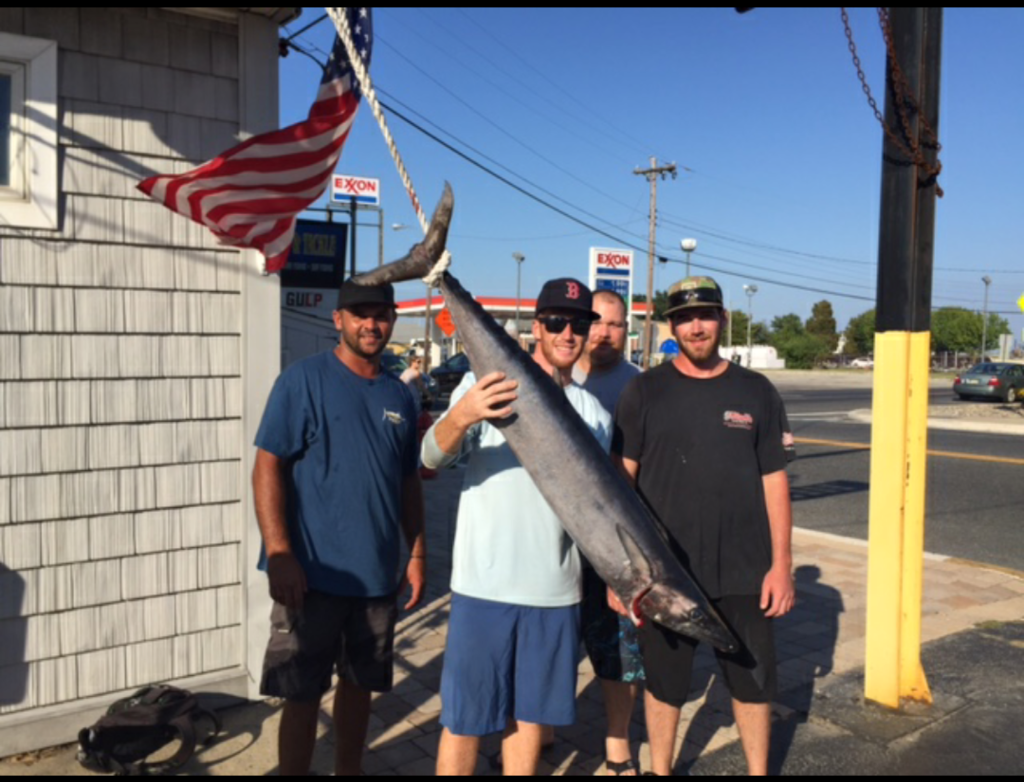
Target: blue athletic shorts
{"x":506,"y":661}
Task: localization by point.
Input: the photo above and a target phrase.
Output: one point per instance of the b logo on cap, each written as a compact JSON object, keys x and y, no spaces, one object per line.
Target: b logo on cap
{"x":573,"y":292}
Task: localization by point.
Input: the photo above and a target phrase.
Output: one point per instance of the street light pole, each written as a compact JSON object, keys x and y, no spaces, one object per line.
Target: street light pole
{"x":750,"y":290}
{"x":519,"y":258}
{"x":688,"y":245}
{"x":984,"y":318}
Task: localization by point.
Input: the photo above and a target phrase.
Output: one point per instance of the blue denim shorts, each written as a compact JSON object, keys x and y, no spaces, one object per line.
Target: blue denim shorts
{"x":508,"y":662}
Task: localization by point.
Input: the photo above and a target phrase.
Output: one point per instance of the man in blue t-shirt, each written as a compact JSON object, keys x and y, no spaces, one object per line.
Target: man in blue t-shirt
{"x":335,"y":484}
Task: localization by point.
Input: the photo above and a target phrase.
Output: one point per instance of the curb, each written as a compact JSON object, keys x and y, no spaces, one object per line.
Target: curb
{"x":831,"y":537}
{"x":980,"y":427}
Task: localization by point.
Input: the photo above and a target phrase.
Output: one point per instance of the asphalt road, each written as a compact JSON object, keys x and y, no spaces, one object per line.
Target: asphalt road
{"x":973,"y":507}
{"x":821,"y":401}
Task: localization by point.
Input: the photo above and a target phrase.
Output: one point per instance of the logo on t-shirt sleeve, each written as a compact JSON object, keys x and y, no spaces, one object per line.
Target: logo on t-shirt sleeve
{"x":735,"y":420}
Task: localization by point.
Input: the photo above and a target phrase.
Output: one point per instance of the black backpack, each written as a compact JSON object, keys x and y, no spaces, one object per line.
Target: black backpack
{"x":136,"y":727}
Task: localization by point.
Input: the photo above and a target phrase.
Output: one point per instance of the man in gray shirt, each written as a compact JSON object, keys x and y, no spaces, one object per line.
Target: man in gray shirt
{"x":603,"y":369}
{"x":611,"y":641}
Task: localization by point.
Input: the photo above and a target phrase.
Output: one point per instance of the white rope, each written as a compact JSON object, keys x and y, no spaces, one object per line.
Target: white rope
{"x":363,"y":75}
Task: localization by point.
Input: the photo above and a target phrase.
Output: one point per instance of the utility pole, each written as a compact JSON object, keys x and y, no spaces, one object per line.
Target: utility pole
{"x":899,"y":435}
{"x":652,"y":175}
{"x":984,"y":318}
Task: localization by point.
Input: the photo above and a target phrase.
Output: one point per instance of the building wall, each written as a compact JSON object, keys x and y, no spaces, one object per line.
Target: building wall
{"x":124,"y":416}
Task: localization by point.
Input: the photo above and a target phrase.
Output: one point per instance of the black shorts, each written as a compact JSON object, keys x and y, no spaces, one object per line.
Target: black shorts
{"x":355,"y":635}
{"x":749,"y":673}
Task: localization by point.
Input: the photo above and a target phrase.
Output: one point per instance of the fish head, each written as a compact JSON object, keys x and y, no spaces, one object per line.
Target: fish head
{"x":673,"y":606}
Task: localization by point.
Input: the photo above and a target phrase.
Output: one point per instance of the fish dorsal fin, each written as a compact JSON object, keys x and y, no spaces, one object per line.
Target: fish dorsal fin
{"x":637,"y":559}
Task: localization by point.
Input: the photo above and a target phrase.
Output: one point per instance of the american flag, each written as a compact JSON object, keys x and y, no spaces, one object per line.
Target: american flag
{"x":250,"y":195}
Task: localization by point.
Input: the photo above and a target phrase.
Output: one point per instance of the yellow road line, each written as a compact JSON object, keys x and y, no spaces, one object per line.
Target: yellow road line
{"x":943,"y":454}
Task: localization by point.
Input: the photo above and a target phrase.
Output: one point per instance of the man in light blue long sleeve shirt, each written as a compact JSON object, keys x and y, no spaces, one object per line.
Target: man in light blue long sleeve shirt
{"x":514,"y":629}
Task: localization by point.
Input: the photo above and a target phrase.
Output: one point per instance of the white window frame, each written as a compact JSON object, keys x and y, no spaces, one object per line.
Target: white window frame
{"x":31,"y":200}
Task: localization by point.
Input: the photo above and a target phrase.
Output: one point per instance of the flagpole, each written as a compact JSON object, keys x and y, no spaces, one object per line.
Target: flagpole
{"x":363,"y":75}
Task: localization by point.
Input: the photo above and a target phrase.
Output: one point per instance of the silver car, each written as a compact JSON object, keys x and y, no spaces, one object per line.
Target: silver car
{"x":990,"y":380}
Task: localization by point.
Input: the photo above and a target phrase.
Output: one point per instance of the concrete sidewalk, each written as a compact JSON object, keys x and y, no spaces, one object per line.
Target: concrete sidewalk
{"x":999,"y":419}
{"x":822,"y":725}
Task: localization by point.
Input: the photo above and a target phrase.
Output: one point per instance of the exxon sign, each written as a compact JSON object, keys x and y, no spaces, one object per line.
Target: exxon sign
{"x":612,"y":270}
{"x":345,"y":189}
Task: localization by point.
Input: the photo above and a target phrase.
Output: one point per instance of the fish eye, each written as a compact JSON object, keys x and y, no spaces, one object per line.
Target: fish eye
{"x":696,"y":615}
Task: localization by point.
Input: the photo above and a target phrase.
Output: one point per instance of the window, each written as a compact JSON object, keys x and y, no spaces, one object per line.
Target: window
{"x":28,"y":132}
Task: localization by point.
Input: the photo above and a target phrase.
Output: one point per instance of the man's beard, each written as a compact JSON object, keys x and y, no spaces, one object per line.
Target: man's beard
{"x":700,"y":359}
{"x":352,"y":342}
{"x":604,"y":355}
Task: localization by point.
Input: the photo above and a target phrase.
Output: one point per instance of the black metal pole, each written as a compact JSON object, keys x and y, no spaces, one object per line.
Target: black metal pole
{"x":896,"y":241}
{"x":352,"y":229}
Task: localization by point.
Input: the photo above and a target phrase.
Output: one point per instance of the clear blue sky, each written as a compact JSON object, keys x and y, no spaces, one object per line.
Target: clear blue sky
{"x":779,"y":154}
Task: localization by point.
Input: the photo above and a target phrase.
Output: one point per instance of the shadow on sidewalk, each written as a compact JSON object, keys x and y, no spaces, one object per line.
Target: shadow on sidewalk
{"x":805,"y":642}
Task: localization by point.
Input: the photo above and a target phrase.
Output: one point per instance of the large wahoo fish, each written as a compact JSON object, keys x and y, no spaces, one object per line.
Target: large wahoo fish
{"x":610,"y":524}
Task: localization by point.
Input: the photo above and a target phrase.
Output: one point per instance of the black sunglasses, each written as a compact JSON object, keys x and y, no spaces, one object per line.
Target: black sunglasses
{"x":555,"y":324}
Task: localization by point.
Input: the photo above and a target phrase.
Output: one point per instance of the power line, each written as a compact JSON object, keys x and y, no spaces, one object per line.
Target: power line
{"x":665,"y":218}
{"x":641,"y":145}
{"x":529,"y":106}
{"x":577,"y":220}
{"x":600,"y":231}
{"x":485,"y":156}
{"x":497,"y":126}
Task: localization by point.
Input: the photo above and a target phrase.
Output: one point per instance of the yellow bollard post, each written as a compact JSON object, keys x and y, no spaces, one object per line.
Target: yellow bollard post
{"x":899,"y":445}
{"x":885,"y":527}
{"x":913,"y":684}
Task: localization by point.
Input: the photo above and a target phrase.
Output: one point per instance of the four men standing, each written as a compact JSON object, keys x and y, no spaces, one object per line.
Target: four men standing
{"x":701,"y":440}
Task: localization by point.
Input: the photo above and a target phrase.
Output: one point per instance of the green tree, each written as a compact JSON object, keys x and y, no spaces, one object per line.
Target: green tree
{"x":800,"y":349}
{"x":822,"y":324}
{"x":958,"y":329}
{"x":860,"y":335}
{"x":738,"y":321}
{"x":762,"y":335}
{"x":997,"y":327}
{"x":804,"y":351}
{"x":786,"y":326}
{"x":759,"y":333}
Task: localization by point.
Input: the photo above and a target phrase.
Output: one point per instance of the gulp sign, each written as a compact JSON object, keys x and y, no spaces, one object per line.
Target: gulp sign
{"x":614,"y":259}
{"x":346,"y":188}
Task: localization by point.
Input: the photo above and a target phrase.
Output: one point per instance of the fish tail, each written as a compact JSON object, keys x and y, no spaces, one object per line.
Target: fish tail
{"x":422,"y":258}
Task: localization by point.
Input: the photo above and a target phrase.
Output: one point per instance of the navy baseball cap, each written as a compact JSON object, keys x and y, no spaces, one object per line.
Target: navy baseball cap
{"x":566,"y":293}
{"x":352,"y":294}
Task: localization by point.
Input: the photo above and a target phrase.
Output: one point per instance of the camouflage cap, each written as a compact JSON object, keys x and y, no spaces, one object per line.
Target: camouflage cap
{"x":694,"y":292}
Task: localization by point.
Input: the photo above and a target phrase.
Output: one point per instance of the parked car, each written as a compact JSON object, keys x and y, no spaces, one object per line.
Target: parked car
{"x":862,"y":363}
{"x":450,"y":373}
{"x":990,"y":380}
{"x":396,"y":365}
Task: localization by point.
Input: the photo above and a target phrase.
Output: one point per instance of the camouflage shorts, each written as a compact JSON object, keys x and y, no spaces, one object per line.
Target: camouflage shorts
{"x":611,"y":640}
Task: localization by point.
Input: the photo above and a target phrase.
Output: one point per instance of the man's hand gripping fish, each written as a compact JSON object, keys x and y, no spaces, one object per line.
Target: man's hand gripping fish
{"x":608,"y":521}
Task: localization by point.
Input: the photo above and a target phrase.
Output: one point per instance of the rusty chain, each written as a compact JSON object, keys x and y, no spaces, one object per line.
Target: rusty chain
{"x":904,"y":98}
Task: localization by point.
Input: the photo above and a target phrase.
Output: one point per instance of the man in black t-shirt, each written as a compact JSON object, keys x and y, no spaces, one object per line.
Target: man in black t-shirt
{"x":701,"y":439}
